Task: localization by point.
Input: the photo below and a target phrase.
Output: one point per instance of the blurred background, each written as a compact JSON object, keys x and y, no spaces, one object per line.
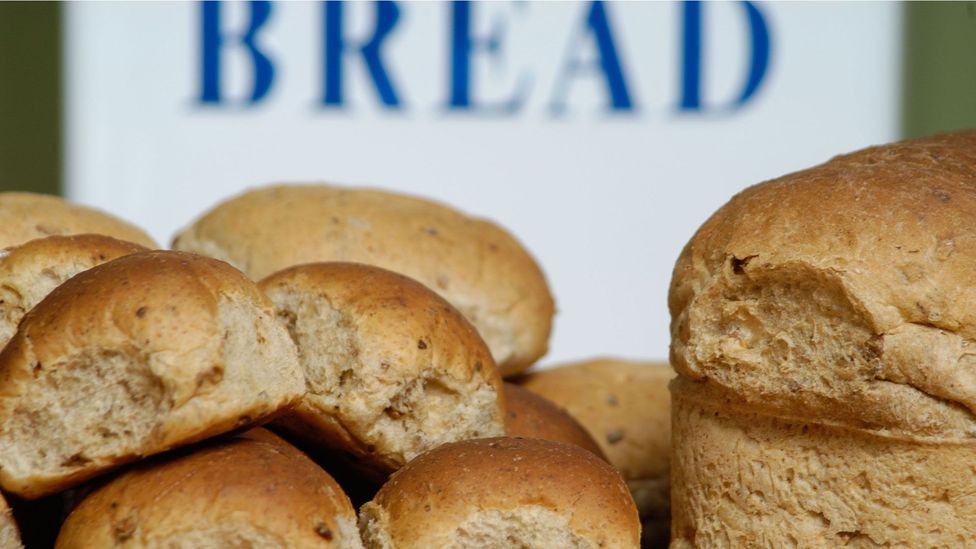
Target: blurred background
{"x":601,"y":134}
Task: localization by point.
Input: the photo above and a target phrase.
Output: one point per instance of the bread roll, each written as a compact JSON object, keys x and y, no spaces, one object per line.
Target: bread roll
{"x":474,"y":264}
{"x":626,"y":407}
{"x":251,"y":490}
{"x":144,"y":353}
{"x":9,"y":536}
{"x":28,"y":216}
{"x":502,"y":492}
{"x":30,"y":271}
{"x":821,"y":323}
{"x":532,"y":416}
{"x":392,"y":369}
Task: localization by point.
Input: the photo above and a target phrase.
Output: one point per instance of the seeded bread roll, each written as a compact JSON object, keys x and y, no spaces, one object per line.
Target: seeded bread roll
{"x":28,"y":216}
{"x":135,"y":356}
{"x":821,"y":325}
{"x":474,"y":264}
{"x":532,"y":416}
{"x":30,"y":271}
{"x":392,"y":369}
{"x":9,"y":536}
{"x":250,"y":490}
{"x":625,"y":405}
{"x":502,"y":492}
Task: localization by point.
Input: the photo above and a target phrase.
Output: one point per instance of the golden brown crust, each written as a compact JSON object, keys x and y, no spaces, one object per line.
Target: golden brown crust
{"x":30,"y":271}
{"x":392,"y":368}
{"x":135,"y":356}
{"x":28,"y":216}
{"x":745,"y":479}
{"x":476,"y":265}
{"x":432,"y":496}
{"x":624,"y":404}
{"x":533,"y":416}
{"x":842,"y":293}
{"x":254,"y":481}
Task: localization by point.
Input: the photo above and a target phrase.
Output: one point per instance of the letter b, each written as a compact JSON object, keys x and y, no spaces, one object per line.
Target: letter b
{"x":212,"y":41}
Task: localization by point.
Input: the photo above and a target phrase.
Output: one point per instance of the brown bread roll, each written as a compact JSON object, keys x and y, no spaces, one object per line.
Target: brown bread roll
{"x":249,"y":490}
{"x":532,"y":416}
{"x":625,"y":405}
{"x":502,"y":492}
{"x":135,"y":356}
{"x":392,"y":369}
{"x":476,"y":265}
{"x":821,"y":325}
{"x":28,"y":216}
{"x":30,"y":271}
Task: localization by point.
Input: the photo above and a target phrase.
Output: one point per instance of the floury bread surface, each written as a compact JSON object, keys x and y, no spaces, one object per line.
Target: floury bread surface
{"x":28,"y":216}
{"x":392,"y":369}
{"x":480,"y":268}
{"x":30,"y":271}
{"x":135,"y":356}
{"x":822,"y":327}
{"x":750,"y":480}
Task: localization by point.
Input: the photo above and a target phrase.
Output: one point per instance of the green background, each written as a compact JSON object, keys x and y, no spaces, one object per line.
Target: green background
{"x":939,"y":83}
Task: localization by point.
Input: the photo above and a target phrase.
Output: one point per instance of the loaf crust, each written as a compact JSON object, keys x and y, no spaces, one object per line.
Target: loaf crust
{"x":843,"y":293}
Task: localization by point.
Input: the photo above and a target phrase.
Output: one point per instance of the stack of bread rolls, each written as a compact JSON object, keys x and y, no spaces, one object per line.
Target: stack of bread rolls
{"x":307,"y":350}
{"x":374,"y":343}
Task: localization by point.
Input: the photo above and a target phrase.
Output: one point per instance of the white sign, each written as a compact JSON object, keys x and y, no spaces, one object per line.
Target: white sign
{"x":601,"y":134}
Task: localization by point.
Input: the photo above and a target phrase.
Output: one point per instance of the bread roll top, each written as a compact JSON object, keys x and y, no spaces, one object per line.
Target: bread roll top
{"x":530,"y":415}
{"x":27,"y":216}
{"x":30,"y":271}
{"x":250,"y":490}
{"x":478,"y":492}
{"x":624,"y":404}
{"x":392,"y":368}
{"x":132,"y":357}
{"x":476,"y":265}
{"x":842,"y":293}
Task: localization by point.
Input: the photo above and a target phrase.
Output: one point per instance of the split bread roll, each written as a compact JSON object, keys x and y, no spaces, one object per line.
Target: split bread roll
{"x":501,"y":493}
{"x":250,"y":490}
{"x":135,"y":356}
{"x":821,"y":326}
{"x":9,"y":534}
{"x":392,"y":369}
{"x":625,"y":405}
{"x":28,"y":216}
{"x":530,"y":415}
{"x":30,"y":271}
{"x":474,"y":264}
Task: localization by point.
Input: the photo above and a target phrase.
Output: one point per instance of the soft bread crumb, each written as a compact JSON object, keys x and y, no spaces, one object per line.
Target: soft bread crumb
{"x":742,"y":479}
{"x":528,"y":527}
{"x":391,"y":369}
